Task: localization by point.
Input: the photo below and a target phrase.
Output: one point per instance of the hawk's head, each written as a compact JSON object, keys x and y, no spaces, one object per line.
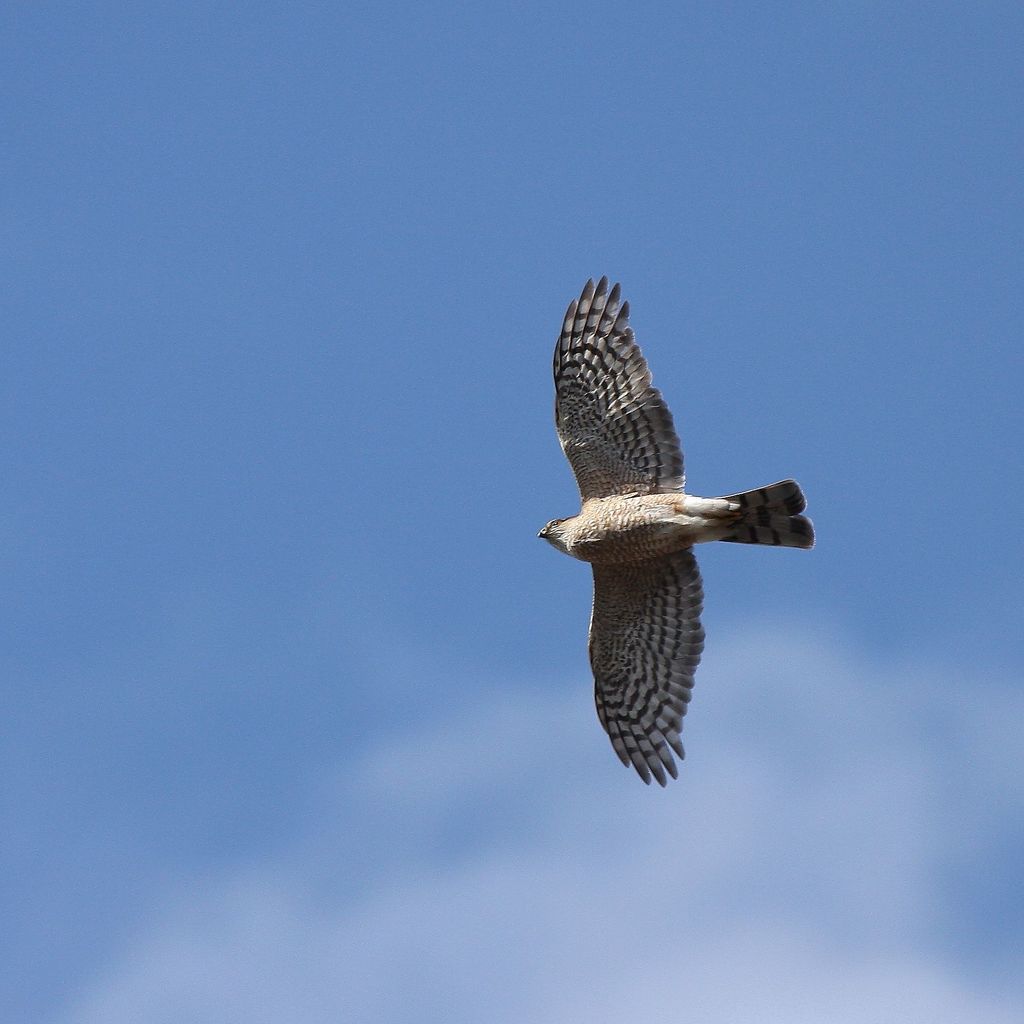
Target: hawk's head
{"x":553,"y":534}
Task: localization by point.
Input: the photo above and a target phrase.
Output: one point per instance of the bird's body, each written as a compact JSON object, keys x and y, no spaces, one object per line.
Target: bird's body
{"x":637,"y":528}
{"x":628,"y":527}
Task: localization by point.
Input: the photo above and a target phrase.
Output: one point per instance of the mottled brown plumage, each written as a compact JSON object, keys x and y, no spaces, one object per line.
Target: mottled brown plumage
{"x":637,"y":528}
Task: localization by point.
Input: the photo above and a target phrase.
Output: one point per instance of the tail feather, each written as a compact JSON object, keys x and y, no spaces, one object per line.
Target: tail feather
{"x":771,"y":515}
{"x":785,"y":496}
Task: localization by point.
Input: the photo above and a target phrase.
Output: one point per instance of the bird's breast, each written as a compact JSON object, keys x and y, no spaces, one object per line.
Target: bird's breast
{"x":628,"y":529}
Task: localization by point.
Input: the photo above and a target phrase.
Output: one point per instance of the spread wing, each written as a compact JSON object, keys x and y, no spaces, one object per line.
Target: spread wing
{"x":615,"y":428}
{"x":645,"y":643}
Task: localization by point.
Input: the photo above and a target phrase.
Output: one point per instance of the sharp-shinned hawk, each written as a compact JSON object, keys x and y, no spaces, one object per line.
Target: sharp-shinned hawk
{"x":637,"y":528}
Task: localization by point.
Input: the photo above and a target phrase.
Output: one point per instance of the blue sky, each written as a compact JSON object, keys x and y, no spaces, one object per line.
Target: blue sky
{"x":297,"y":718}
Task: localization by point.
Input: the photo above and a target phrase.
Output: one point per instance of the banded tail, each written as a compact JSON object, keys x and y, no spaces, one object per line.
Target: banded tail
{"x":771,"y":515}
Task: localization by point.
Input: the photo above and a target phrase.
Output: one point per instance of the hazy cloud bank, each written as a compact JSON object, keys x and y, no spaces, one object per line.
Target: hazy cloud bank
{"x":809,"y":865}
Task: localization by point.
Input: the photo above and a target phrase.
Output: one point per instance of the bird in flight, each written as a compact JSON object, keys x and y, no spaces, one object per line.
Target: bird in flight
{"x":637,"y":527}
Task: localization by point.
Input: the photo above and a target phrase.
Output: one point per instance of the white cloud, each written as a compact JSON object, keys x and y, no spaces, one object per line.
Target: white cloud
{"x":500,"y":866}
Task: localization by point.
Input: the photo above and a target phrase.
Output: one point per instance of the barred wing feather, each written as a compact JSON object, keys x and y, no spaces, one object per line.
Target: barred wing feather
{"x":614,"y":427}
{"x":645,"y":644}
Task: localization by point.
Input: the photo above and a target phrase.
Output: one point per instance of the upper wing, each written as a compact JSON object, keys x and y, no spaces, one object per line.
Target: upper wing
{"x":614,"y":427}
{"x":645,"y":644}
